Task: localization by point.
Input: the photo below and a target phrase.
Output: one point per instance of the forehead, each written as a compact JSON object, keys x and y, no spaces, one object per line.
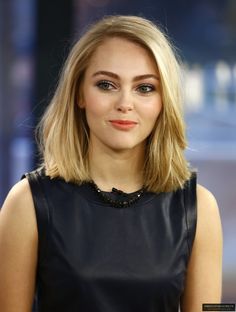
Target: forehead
{"x":122,"y":54}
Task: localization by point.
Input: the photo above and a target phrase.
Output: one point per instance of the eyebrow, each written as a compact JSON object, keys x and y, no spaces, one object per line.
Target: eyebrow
{"x":115,"y":76}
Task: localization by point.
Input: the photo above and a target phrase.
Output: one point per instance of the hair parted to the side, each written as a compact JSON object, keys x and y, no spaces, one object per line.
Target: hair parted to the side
{"x":63,"y":133}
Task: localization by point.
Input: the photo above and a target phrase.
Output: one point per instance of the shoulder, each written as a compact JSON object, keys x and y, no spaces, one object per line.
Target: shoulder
{"x":19,"y":194}
{"x":18,"y":249}
{"x":204,"y":195}
{"x":17,"y":212}
{"x":206,"y":204}
{"x":19,"y":190}
{"x":204,"y":274}
{"x":209,"y":228}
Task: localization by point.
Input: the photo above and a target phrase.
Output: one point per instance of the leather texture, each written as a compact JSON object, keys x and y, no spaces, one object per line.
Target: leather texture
{"x":93,"y":257}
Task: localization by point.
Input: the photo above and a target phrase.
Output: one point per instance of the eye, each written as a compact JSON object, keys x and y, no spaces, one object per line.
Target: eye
{"x":145,"y":88}
{"x":105,"y":85}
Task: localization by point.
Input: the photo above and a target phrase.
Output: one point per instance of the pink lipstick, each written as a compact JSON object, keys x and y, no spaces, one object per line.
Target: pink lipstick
{"x":123,"y":124}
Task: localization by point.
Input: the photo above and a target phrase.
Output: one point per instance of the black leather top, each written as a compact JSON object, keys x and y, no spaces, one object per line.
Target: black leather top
{"x":93,"y":257}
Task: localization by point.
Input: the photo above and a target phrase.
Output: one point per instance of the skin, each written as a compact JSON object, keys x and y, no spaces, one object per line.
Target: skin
{"x":18,"y":250}
{"x":204,"y":276}
{"x":121,"y":83}
{"x":118,"y":152}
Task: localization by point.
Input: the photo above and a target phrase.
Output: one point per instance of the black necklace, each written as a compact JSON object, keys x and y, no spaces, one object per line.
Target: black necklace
{"x":118,"y":203}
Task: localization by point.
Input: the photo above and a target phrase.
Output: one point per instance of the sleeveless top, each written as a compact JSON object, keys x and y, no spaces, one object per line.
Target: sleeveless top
{"x":94,"y":257}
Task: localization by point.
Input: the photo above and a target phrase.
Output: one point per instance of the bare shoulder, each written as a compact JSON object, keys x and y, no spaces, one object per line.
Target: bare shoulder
{"x":19,"y":193}
{"x":204,"y":274}
{"x":208,"y":217}
{"x":208,"y":211}
{"x":18,"y":249}
{"x":204,"y":195}
{"x":18,"y":209}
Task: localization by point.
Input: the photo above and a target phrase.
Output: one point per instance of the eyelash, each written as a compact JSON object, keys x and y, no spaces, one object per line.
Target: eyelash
{"x":146,"y":85}
{"x":106,"y":85}
{"x":102,"y":83}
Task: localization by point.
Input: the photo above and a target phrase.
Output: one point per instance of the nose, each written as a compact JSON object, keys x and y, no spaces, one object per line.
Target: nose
{"x":124,"y":102}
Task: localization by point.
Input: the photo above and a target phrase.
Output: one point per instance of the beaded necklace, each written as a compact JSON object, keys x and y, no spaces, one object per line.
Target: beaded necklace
{"x":117,"y":203}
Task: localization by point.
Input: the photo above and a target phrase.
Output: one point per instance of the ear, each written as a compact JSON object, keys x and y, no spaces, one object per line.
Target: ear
{"x":80,"y":102}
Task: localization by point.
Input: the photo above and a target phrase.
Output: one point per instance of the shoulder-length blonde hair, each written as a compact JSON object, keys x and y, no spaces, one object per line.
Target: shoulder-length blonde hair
{"x":63,"y":133}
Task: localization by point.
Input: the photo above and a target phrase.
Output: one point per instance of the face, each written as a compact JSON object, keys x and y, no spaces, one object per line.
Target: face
{"x":121,"y":95}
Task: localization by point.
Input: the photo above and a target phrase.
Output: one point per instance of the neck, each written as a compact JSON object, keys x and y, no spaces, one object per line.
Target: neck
{"x":120,"y":169}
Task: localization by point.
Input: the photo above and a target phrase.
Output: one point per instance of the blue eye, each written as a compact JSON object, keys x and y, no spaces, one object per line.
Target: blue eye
{"x":145,"y":88}
{"x":104,"y":85}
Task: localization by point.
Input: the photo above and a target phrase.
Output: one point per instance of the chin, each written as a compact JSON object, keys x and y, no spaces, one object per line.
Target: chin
{"x":121,"y":147}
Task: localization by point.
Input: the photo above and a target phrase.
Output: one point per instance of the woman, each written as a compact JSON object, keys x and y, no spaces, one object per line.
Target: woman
{"x":113,"y":220}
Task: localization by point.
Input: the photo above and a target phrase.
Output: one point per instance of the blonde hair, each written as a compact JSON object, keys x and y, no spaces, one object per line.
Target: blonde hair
{"x":63,"y":131}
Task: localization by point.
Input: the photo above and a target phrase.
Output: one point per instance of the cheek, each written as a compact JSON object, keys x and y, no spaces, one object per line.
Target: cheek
{"x":91,"y":105}
{"x":95,"y":112}
{"x":94,"y":103}
{"x":153,"y":111}
{"x":152,"y":117}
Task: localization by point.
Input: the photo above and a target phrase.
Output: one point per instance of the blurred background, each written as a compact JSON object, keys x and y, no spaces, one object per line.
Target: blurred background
{"x":35,"y":37}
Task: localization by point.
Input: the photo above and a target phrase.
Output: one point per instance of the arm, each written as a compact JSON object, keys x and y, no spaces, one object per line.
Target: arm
{"x":204,"y":273}
{"x":18,"y":250}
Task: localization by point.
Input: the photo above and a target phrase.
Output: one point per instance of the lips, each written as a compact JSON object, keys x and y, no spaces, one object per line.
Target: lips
{"x":123,"y":124}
